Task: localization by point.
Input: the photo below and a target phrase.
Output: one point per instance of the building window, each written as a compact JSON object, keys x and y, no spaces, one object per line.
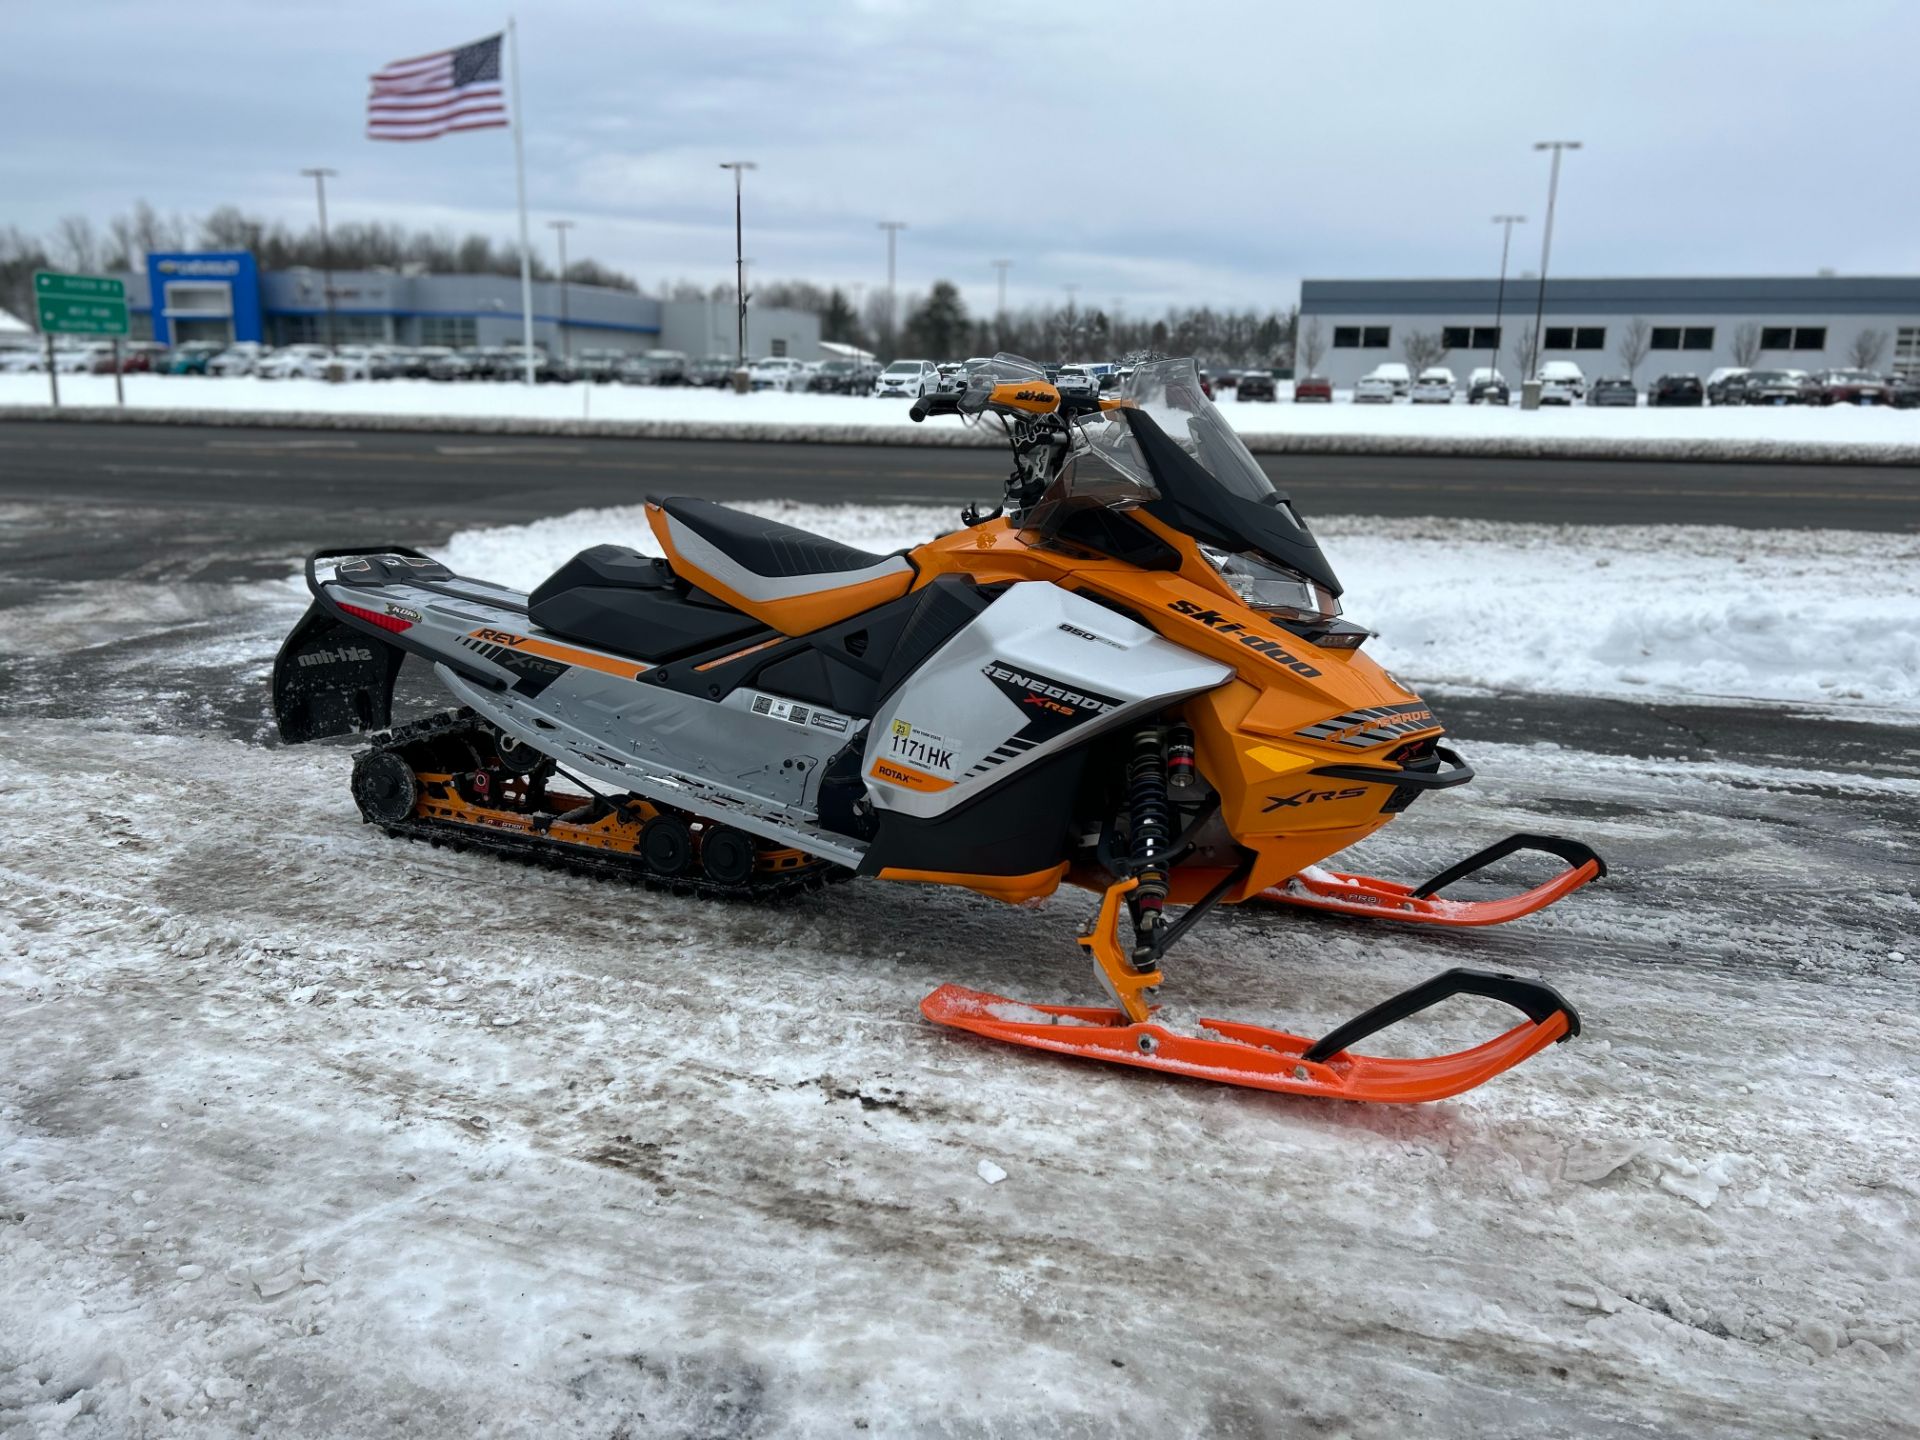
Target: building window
{"x":1471,"y":337}
{"x":1791,"y":337}
{"x":1582,"y":337}
{"x":779,"y":349}
{"x":1362,"y":337}
{"x":1906,"y":349}
{"x":1689,"y":337}
{"x":457,"y":331}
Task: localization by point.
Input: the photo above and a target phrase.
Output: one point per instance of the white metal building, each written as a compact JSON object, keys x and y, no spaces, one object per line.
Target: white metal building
{"x":1692,"y":325}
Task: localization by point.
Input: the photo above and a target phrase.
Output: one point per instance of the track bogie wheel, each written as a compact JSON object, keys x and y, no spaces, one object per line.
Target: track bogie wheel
{"x":666,"y":844}
{"x":727,"y":855}
{"x":384,"y":787}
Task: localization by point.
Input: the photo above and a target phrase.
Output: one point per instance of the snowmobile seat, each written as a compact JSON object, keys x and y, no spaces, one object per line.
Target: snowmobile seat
{"x":785,"y":577}
{"x":617,"y":599}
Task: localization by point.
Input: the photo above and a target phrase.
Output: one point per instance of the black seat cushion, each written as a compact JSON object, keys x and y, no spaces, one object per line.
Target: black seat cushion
{"x":766,"y":547}
{"x":617,"y":599}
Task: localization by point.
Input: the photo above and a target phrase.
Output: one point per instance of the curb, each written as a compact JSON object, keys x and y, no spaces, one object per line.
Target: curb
{"x":979,"y":437}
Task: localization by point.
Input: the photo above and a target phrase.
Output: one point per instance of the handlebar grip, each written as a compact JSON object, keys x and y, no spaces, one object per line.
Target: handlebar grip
{"x":941,"y":402}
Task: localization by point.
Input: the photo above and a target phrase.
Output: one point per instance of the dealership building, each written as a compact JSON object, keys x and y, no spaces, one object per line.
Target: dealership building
{"x":1696,"y":326}
{"x":225,"y":297}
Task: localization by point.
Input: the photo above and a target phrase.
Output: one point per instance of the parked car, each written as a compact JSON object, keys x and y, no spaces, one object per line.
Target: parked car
{"x":1561,"y":383}
{"x":21,"y":359}
{"x":1434,"y":387}
{"x":1314,"y":387}
{"x":1724,"y":386}
{"x":777,"y":372}
{"x":1777,"y":387}
{"x":192,"y":358}
{"x":1851,"y":387}
{"x":1615,"y":390}
{"x":668,"y":367}
{"x":1257,"y":385}
{"x":713,"y":373}
{"x":1373,"y":390}
{"x":1074,"y":380}
{"x":909,"y":379}
{"x":1487,"y":386}
{"x":455,"y":365}
{"x":293,"y":362}
{"x":1677,"y":390}
{"x":1903,"y":391}
{"x":1394,"y":373}
{"x":836,"y":377}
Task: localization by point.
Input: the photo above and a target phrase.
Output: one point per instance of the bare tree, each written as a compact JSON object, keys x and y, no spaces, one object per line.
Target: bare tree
{"x":1313,"y":347}
{"x":1423,"y":348}
{"x":1636,"y":338}
{"x":1869,"y":346}
{"x":77,"y":244}
{"x":1523,"y":356}
{"x":1746,"y":345}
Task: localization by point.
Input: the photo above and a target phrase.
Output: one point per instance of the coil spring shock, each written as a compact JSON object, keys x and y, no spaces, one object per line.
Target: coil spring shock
{"x":1150,"y":836}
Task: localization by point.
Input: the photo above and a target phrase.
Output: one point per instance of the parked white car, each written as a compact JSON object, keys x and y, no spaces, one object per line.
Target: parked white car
{"x":1561,"y":383}
{"x":20,"y":360}
{"x":1394,"y":373}
{"x":909,"y":379}
{"x":294,"y":362}
{"x":80,"y":361}
{"x":1434,"y":387}
{"x":238,"y":359}
{"x":777,"y":372}
{"x":1373,"y":389}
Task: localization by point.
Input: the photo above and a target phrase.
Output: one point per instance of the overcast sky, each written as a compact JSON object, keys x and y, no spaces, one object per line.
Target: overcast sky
{"x":1150,"y":153}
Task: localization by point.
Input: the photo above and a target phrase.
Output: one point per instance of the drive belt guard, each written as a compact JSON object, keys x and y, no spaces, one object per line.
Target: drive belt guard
{"x":1262,"y":1059}
{"x":1318,"y":889}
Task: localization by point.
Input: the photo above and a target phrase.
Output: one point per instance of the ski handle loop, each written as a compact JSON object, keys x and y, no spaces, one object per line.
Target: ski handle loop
{"x":1538,"y":1000}
{"x":1573,"y":852}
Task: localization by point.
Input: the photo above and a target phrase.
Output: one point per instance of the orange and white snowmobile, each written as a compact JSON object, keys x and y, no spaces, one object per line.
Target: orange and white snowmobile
{"x":1132,"y":676}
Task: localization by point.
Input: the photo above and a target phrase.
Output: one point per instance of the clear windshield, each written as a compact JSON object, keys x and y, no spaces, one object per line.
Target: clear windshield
{"x":1169,"y":393}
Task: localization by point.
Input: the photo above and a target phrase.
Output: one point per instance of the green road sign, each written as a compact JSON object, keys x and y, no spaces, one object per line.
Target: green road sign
{"x":80,"y":304}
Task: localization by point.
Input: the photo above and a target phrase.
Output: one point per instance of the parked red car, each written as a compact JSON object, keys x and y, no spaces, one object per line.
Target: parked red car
{"x":1851,"y":387}
{"x":1314,"y":387}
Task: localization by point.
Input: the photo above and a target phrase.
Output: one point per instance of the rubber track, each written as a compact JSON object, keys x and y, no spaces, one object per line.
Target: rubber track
{"x":598,"y":865}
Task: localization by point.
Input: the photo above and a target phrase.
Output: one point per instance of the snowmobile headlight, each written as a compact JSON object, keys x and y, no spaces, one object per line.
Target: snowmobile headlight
{"x":1270,"y":588}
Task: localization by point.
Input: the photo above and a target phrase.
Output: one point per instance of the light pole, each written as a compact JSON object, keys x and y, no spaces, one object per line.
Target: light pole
{"x":738,"y":167}
{"x":1546,"y":240}
{"x":893,"y":229}
{"x":1072,"y":321}
{"x":1000,"y":310}
{"x":560,"y":228}
{"x":1500,"y":296}
{"x":320,"y":174}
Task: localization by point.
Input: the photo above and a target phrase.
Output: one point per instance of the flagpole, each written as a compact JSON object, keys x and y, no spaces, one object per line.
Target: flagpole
{"x":520,"y":190}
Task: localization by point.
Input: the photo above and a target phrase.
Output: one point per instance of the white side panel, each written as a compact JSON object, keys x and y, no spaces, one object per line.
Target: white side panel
{"x":1037,"y":671}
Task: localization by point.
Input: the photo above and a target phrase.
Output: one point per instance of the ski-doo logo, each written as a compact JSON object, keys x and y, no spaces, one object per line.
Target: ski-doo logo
{"x":345,"y":655}
{"x":1310,"y":797}
{"x":1221,"y":625}
{"x":1039,"y":688}
{"x":499,"y":637}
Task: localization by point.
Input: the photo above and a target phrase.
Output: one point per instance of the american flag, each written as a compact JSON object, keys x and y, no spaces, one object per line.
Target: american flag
{"x":430,"y":95}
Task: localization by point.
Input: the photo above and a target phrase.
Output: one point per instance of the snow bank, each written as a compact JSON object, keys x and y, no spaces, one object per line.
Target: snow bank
{"x":1802,"y":616}
{"x":1841,"y":434}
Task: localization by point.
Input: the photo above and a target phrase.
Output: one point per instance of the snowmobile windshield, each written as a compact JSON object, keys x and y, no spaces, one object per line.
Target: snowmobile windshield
{"x":1187,"y":467}
{"x":1168,"y":392}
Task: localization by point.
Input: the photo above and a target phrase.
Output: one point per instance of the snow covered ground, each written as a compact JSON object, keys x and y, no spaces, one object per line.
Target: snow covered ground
{"x":1843,"y":425}
{"x":308,"y":1133}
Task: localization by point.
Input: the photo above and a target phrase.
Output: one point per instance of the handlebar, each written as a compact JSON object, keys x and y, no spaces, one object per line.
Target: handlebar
{"x":941,"y":402}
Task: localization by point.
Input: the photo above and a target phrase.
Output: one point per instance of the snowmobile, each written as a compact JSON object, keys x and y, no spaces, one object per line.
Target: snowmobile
{"x":1132,"y":675}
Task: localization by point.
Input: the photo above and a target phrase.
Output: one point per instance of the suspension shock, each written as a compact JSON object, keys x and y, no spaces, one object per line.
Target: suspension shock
{"x":1181,"y":774}
{"x":1149,"y":838}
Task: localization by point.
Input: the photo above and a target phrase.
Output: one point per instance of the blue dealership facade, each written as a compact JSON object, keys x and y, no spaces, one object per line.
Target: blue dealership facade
{"x":225,"y":297}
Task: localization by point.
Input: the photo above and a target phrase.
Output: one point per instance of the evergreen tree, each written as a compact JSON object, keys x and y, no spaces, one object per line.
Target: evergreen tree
{"x":938,"y":327}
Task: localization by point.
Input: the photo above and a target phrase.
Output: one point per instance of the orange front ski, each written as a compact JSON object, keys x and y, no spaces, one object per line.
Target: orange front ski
{"x":1263,"y":1059}
{"x":1319,"y":889}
